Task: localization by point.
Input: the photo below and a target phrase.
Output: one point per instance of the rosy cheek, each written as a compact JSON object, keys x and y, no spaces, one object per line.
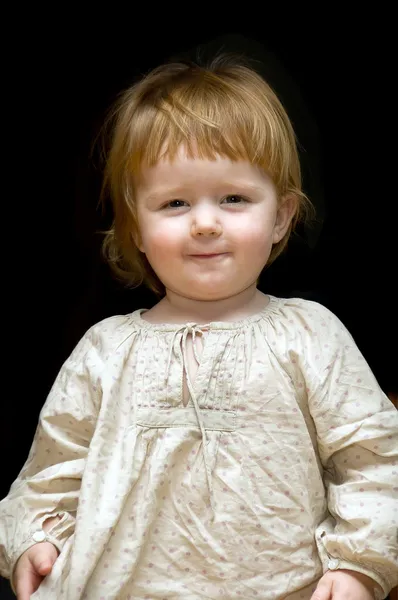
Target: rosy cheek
{"x":160,"y":242}
{"x":258,"y":236}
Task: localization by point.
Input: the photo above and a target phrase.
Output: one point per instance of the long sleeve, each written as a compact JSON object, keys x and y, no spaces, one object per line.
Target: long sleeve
{"x":49,"y":482}
{"x":357,"y":435}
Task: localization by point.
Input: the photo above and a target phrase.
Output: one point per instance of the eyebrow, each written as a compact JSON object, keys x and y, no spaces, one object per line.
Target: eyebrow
{"x":239,"y":186}
{"x":164,"y":192}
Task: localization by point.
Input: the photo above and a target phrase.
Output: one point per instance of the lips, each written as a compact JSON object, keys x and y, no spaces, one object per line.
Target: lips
{"x":208,"y":255}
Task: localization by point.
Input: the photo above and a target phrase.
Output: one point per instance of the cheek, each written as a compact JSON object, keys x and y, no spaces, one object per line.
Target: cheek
{"x":254,"y":236}
{"x":158,"y":241}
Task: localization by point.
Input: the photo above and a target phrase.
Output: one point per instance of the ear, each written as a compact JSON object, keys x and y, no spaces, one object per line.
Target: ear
{"x":286,"y":211}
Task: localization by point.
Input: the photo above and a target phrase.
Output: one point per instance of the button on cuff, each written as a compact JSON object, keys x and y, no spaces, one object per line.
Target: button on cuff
{"x":39,"y":536}
{"x":333,"y":564}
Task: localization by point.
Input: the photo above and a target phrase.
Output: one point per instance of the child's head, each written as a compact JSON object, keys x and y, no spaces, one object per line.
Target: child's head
{"x":222,"y":111}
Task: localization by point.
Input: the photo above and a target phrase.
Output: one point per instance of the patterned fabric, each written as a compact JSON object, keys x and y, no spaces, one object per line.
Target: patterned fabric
{"x":227,"y":460}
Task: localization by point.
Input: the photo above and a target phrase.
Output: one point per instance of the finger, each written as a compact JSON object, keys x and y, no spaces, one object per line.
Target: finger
{"x":323,"y":591}
{"x":26,"y":583}
{"x":44,"y":559}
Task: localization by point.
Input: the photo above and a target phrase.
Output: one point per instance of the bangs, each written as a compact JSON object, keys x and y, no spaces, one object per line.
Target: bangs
{"x":209,"y":118}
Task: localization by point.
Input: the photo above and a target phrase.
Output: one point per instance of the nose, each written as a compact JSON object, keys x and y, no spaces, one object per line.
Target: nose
{"x":205,"y":223}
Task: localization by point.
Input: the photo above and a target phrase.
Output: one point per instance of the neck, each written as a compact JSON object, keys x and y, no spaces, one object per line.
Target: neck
{"x":180,"y":309}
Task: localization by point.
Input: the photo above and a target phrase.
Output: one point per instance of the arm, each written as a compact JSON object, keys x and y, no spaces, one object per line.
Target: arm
{"x":357,"y":434}
{"x":42,"y":502}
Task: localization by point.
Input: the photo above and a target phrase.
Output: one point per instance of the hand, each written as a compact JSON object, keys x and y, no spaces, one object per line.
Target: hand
{"x":344,"y":585}
{"x":32,"y":566}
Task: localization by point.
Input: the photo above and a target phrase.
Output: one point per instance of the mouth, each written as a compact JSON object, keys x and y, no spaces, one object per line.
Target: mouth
{"x":204,"y":256}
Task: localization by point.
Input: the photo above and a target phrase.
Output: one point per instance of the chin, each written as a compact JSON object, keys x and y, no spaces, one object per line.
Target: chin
{"x":211,"y":296}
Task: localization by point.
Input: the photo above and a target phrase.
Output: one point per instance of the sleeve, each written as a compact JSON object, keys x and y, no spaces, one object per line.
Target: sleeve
{"x":357,"y":435}
{"x":49,"y":482}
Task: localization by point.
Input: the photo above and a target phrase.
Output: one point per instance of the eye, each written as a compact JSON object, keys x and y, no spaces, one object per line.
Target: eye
{"x":234,"y":199}
{"x":175,"y":204}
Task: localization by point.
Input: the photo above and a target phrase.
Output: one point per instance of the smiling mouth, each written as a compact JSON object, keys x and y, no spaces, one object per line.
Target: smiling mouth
{"x":208,"y":255}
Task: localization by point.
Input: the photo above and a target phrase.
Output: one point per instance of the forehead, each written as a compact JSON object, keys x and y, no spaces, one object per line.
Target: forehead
{"x":186,"y":169}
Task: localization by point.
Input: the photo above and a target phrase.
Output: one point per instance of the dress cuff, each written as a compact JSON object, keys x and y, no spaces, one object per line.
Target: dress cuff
{"x":335,"y":563}
{"x":57,"y":535}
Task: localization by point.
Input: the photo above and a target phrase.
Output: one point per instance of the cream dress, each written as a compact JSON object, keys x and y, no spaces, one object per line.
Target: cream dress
{"x":228,"y":460}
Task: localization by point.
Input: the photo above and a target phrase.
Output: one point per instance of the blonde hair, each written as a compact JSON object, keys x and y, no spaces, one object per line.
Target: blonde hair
{"x":224,"y":109}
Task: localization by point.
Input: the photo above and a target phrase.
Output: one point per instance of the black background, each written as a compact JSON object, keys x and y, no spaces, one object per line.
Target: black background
{"x":333,"y":70}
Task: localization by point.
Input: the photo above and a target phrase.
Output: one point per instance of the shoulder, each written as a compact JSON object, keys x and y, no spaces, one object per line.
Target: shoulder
{"x":307,"y":326}
{"x":306,"y":314}
{"x":113,"y":326}
{"x":106,"y":336}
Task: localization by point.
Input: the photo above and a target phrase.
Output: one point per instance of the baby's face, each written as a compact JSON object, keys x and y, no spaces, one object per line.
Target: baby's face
{"x":207,"y":227}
